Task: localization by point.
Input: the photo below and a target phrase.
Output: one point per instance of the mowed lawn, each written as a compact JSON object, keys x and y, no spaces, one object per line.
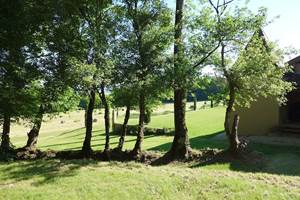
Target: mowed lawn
{"x":87,"y":179}
{"x":69,"y":135}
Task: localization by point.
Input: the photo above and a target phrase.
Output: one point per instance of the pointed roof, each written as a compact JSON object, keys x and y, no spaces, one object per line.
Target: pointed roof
{"x":294,"y":60}
{"x":292,"y":76}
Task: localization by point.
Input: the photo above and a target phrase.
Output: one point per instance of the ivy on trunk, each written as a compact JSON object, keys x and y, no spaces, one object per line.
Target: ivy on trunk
{"x":5,"y":139}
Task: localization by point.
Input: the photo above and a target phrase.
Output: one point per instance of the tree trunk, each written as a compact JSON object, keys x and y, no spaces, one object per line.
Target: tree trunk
{"x":229,"y":111}
{"x":106,"y":116}
{"x":124,"y":128}
{"x":86,"y":148}
{"x":211,"y":103}
{"x":181,"y":145}
{"x":231,"y":101}
{"x":232,"y":135}
{"x":233,"y":139}
{"x":5,"y":142}
{"x":34,"y":132}
{"x":140,"y":136}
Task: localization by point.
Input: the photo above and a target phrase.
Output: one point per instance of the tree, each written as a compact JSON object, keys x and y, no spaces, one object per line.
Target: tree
{"x":99,"y":28}
{"x":82,"y":76}
{"x":143,"y":45}
{"x":68,"y":63}
{"x":18,"y":69}
{"x":53,"y":90}
{"x":253,"y":70}
{"x":188,"y":58}
{"x":180,"y":145}
{"x":124,"y":97}
{"x":81,"y":33}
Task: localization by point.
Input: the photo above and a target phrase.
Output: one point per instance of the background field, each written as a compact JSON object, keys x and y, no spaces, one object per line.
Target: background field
{"x":66,"y":131}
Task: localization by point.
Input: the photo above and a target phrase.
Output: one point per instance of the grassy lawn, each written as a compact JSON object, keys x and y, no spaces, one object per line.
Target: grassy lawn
{"x":91,"y":180}
{"x":70,"y":134}
{"x":86,"y":179}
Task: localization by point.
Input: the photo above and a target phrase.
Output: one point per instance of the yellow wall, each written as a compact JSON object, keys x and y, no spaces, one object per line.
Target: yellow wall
{"x":260,"y":118}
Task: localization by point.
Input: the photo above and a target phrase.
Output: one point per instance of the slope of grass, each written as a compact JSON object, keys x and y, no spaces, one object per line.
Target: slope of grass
{"x":91,"y":180}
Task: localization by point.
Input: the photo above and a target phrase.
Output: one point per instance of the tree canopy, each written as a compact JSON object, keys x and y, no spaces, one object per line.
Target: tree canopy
{"x":132,"y":54}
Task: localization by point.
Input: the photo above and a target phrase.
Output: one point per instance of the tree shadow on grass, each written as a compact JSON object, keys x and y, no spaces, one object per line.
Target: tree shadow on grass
{"x":257,"y":162}
{"x":95,"y":145}
{"x":82,"y":134}
{"x":71,"y":131}
{"x":41,"y":171}
{"x":272,"y":159}
{"x":95,"y":138}
{"x":200,"y":142}
{"x":73,"y":142}
{"x":260,"y":158}
{"x":82,"y":131}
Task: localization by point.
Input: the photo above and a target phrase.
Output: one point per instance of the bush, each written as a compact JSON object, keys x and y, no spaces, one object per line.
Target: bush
{"x":133,"y":130}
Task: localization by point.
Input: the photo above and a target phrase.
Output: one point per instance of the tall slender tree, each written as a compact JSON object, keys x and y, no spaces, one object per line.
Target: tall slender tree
{"x":145,"y":41}
{"x":124,"y":97}
{"x":54,"y":93}
{"x":99,"y":27}
{"x":188,"y":59}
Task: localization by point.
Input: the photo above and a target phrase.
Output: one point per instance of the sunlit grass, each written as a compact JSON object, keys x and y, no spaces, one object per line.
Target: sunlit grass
{"x":85,"y":179}
{"x":69,"y":135}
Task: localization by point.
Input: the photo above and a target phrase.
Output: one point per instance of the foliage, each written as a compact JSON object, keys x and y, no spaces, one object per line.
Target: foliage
{"x":215,"y":88}
{"x":98,"y":28}
{"x":123,"y":96}
{"x":54,"y":53}
{"x":143,"y":44}
{"x":260,"y":73}
{"x":251,"y":65}
{"x":18,"y":48}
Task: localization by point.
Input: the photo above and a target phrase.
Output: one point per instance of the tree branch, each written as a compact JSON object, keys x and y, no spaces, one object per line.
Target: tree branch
{"x":86,"y":17}
{"x":215,"y":7}
{"x":207,"y":55}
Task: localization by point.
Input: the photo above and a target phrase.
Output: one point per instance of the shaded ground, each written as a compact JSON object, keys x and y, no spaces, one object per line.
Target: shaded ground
{"x":209,"y":152}
{"x":280,"y":140}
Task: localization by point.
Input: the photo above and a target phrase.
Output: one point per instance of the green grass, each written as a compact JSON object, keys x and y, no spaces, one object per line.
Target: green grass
{"x":101,"y":180}
{"x":204,"y":122}
{"x":86,"y":179}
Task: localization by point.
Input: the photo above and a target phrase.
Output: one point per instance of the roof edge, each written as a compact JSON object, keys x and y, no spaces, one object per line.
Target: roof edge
{"x":294,"y":60}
